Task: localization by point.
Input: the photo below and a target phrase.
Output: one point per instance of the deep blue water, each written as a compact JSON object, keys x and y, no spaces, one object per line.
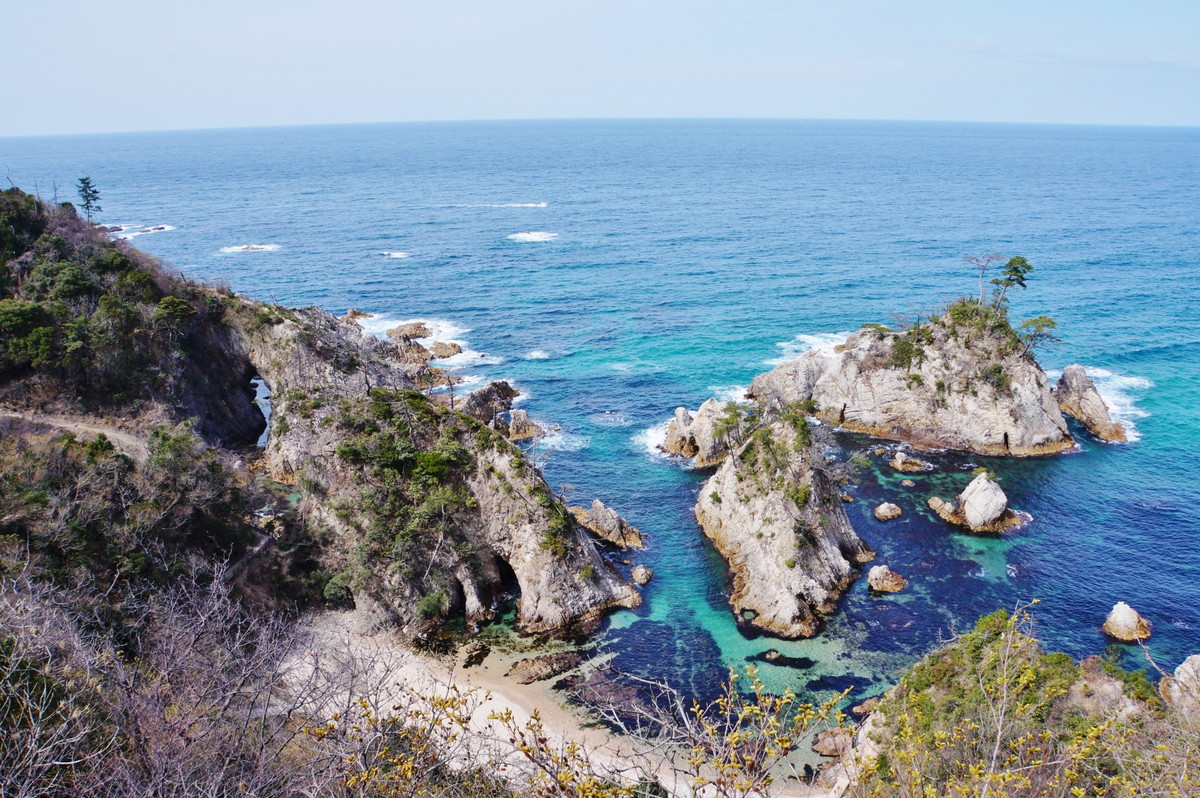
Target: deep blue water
{"x":684,"y":255}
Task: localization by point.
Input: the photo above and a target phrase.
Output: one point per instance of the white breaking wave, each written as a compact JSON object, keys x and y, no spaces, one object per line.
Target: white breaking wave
{"x":729,"y":393}
{"x":559,"y":441}
{"x":127,"y":232}
{"x":390,"y":254}
{"x":533,"y":236}
{"x":504,"y":205}
{"x":538,"y":354}
{"x":820,"y":342}
{"x":251,"y":248}
{"x":611,"y":418}
{"x":1120,"y":393}
{"x":441,"y":330}
{"x":651,"y":440}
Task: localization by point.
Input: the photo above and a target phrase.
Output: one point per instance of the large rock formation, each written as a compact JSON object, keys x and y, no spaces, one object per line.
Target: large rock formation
{"x":605,"y":523}
{"x":697,"y":436}
{"x":1125,"y":624}
{"x":981,"y":507}
{"x":479,"y":522}
{"x":774,"y":514}
{"x":1077,"y":397}
{"x":884,"y":580}
{"x":1182,"y":691}
{"x":961,"y":381}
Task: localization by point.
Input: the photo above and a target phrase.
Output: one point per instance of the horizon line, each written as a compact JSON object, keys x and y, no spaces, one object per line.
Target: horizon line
{"x":503,"y":120}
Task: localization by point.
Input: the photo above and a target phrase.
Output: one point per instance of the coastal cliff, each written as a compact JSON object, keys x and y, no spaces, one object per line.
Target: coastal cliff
{"x":962,"y":380}
{"x":408,"y":509}
{"x":775,"y":515}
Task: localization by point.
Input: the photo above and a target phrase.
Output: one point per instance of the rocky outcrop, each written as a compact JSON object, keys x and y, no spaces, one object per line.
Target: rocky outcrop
{"x":641,"y":575}
{"x":954,"y":383}
{"x":1182,"y":691}
{"x":353,"y":315}
{"x":981,"y":507}
{"x":1077,"y":397}
{"x":547,"y":666}
{"x":606,"y":524}
{"x":412,"y":329}
{"x":696,"y":436}
{"x":1125,"y":624}
{"x":330,"y":383}
{"x":833,"y":742}
{"x":882,"y":579}
{"x":774,"y":514}
{"x":487,"y":402}
{"x":887,"y":511}
{"x":441,"y":349}
{"x":909,"y":465}
{"x":519,"y":427}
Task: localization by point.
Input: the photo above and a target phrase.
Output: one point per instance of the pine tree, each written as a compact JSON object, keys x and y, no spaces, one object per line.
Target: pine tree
{"x":89,"y":196}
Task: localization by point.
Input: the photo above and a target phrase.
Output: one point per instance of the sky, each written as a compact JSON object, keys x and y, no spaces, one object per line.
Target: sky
{"x":81,"y":66}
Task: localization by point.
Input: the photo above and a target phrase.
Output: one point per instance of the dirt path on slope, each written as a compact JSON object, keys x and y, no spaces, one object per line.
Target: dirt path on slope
{"x":124,"y":442}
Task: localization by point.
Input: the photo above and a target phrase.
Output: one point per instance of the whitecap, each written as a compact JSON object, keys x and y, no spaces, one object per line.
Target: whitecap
{"x":127,"y":232}
{"x":250,"y":248}
{"x":537,"y":354}
{"x":1120,"y":393}
{"x":819,"y":342}
{"x":520,"y":205}
{"x":651,"y":440}
{"x":395,"y":254}
{"x":559,"y":441}
{"x":729,"y":393}
{"x":612,"y":418}
{"x":533,"y":236}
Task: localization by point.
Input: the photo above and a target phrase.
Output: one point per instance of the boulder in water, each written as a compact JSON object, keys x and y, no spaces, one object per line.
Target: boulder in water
{"x":1125,"y":624}
{"x":882,"y":579}
{"x":887,"y":511}
{"x":1077,"y":396}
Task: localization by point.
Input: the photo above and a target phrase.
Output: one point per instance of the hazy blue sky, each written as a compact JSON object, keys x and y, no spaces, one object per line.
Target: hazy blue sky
{"x":85,"y":66}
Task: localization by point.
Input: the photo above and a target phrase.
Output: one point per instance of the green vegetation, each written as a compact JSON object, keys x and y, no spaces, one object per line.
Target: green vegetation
{"x":89,"y":197}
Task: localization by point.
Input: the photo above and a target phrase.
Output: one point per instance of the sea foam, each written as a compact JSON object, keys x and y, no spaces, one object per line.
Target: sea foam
{"x":729,"y":393}
{"x":439,"y":330}
{"x":651,"y":440}
{"x":395,"y":254}
{"x":250,"y":248}
{"x":819,"y":342}
{"x":126,"y":231}
{"x":533,"y":236}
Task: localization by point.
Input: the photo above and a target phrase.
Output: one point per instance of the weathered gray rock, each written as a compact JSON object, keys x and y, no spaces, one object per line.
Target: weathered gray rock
{"x":1125,"y":624}
{"x":902,"y":462}
{"x":774,"y":514}
{"x":642,"y":575}
{"x":1182,"y":691}
{"x":887,"y":511}
{"x":981,"y":507}
{"x":883,"y":579}
{"x":605,"y":523}
{"x":696,"y":436}
{"x":1077,"y":397}
{"x":946,"y":385}
{"x":412,"y":329}
{"x":833,"y":742}
{"x":547,"y":666}
{"x":521,"y":428}
{"x":354,"y":314}
{"x":441,"y":349}
{"x":487,"y":402}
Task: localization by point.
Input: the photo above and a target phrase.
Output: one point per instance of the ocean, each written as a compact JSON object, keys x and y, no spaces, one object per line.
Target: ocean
{"x":614,"y":270}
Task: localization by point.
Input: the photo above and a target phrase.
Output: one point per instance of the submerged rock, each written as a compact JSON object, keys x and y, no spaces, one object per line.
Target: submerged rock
{"x":696,"y":436}
{"x":605,"y":523}
{"x":1125,"y":624}
{"x":883,"y":579}
{"x":887,"y":511}
{"x":1077,"y":397}
{"x":955,"y":383}
{"x":981,"y":507}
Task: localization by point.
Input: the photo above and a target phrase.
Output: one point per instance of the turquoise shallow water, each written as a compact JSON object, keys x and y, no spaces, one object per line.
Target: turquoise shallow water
{"x":615,"y":270}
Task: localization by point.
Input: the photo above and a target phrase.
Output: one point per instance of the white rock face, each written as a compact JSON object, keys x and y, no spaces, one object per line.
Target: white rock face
{"x":606,"y":523}
{"x":1077,"y":397}
{"x":887,"y":511}
{"x":521,"y":428}
{"x":1182,"y":691}
{"x":982,"y":503}
{"x":883,"y":579}
{"x":787,"y":563}
{"x":958,"y":388}
{"x":1125,"y":624}
{"x":696,"y":436}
